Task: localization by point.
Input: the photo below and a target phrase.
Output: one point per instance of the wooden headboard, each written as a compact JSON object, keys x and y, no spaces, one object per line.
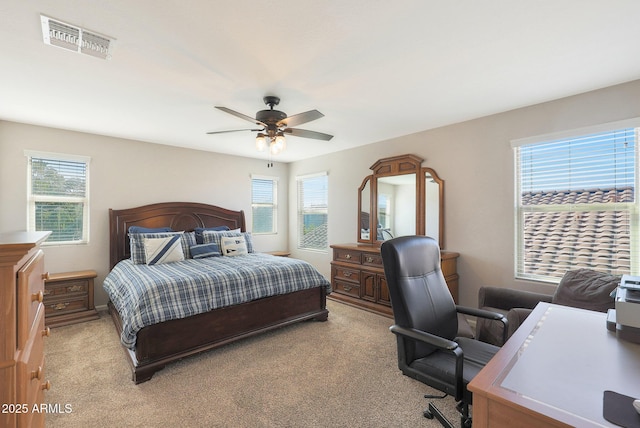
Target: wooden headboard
{"x":177,"y":215}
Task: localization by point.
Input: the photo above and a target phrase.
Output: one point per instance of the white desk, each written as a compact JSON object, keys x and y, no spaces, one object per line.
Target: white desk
{"x":554,"y":370}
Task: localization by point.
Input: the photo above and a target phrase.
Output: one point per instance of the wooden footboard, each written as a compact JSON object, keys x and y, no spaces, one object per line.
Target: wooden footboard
{"x":162,"y":343}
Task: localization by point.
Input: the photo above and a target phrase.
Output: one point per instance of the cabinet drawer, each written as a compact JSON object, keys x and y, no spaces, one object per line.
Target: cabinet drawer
{"x":346,"y":288}
{"x":370,"y":259}
{"x":348,"y":256}
{"x":30,"y":295}
{"x":345,"y":274}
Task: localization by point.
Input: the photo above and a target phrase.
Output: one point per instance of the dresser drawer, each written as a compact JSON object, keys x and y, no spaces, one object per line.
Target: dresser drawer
{"x":346,"y":274}
{"x":348,"y":256}
{"x":30,"y":373}
{"x":30,"y":295}
{"x":371,"y":259}
{"x":346,"y":288}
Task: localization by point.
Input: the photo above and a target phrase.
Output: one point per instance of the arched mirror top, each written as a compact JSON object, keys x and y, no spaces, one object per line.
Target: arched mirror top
{"x":400,"y":198}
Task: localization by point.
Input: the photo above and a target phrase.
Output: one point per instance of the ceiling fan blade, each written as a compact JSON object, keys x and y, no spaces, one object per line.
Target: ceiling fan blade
{"x":234,"y":130}
{"x":300,"y":118}
{"x":240,"y":115}
{"x":307,"y":134}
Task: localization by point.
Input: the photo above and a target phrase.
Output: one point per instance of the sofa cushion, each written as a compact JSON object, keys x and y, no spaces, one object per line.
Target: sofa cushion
{"x":586,"y":289}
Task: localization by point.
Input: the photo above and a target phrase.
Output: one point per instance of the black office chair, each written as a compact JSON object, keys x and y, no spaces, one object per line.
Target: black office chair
{"x":426,"y":323}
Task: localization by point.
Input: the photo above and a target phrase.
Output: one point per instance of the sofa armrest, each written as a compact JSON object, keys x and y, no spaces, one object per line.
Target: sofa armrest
{"x":508,"y":298}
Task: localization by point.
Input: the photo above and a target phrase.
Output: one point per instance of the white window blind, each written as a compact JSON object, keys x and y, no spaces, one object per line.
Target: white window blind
{"x":264,"y":196}
{"x":313,"y":207}
{"x":577,"y":205}
{"x":58,"y":196}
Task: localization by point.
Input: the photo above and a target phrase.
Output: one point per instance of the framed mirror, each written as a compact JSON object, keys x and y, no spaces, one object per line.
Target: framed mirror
{"x":364,"y":210}
{"x":400,"y":198}
{"x":433,"y":205}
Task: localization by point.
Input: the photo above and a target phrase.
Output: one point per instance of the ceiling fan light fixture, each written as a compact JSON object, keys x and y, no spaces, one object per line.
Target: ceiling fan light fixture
{"x":280,"y":141}
{"x":261,"y":141}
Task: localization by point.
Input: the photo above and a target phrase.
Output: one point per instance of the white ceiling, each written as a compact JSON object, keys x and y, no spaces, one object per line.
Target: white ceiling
{"x":376,"y":69}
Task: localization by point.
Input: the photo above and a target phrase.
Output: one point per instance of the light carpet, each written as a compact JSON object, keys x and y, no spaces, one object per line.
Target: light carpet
{"x":338,"y":373}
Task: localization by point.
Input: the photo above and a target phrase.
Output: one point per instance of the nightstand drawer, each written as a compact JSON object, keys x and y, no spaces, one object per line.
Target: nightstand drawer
{"x":66,"y":288}
{"x":66,"y":305}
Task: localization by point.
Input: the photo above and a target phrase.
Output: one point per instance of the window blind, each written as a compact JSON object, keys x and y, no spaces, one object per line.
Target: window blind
{"x":263,"y":205}
{"x":577,"y":205}
{"x":313,"y":211}
{"x":58,"y":197}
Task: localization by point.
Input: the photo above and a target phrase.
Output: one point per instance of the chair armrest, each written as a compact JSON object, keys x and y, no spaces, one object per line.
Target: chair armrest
{"x":482,"y":313}
{"x":507,"y":298}
{"x":424,"y":337}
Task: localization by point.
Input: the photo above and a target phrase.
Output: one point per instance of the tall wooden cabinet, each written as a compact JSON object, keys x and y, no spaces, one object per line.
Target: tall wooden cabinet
{"x":357,"y":276}
{"x":22,"y":332}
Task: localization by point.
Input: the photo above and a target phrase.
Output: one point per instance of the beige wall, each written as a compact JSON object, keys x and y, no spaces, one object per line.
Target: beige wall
{"x":475,"y":159}
{"x":125,"y":174}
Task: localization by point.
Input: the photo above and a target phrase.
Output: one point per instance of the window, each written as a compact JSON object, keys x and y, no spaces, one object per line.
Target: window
{"x":264,"y":196}
{"x":312,"y":211}
{"x":576,"y":204}
{"x":58,"y":196}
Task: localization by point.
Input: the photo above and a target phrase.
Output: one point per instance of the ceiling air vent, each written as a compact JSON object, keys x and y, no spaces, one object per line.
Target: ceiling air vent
{"x":74,"y":38}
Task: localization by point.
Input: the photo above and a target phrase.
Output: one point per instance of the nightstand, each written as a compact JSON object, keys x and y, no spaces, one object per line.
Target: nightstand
{"x":68,"y":298}
{"x":279,"y":253}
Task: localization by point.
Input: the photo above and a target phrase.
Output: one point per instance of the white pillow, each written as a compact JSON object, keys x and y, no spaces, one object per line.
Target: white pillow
{"x":233,"y":246}
{"x":163,"y":250}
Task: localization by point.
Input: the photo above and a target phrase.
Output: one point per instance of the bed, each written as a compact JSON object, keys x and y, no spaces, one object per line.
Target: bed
{"x":160,"y":343}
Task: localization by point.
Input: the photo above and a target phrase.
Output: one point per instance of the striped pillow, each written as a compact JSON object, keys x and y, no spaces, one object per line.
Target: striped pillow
{"x":204,"y":250}
{"x":163,"y":250}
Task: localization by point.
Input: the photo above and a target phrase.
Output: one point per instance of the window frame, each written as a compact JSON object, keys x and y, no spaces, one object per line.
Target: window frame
{"x":301,"y":211}
{"x":33,"y":199}
{"x":633,"y":208}
{"x":273,"y":206}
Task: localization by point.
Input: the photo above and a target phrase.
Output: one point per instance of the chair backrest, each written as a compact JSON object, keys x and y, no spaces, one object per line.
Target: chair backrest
{"x":419,"y":294}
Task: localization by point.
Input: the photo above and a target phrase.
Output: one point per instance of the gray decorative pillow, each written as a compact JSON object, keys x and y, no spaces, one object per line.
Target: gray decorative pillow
{"x":586,"y":289}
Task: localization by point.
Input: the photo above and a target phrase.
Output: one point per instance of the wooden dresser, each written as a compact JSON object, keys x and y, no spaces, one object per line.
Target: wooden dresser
{"x":22,"y":332}
{"x":357,"y":276}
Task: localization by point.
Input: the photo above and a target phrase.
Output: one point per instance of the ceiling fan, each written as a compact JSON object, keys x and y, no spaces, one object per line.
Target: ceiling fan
{"x":275,"y":124}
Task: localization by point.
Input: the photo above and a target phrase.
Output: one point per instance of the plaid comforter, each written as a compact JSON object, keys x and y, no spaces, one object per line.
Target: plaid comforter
{"x":145,"y":295}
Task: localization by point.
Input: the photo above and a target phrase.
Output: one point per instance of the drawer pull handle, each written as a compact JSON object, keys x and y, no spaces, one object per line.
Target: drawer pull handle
{"x":74,"y":288}
{"x":37,"y":297}
{"x":37,"y":374}
{"x":347,"y":274}
{"x":46,"y":332}
{"x":347,"y":288}
{"x":348,"y":257}
{"x":46,"y":386}
{"x":369,"y":259}
{"x":46,"y":276}
{"x":59,"y":306}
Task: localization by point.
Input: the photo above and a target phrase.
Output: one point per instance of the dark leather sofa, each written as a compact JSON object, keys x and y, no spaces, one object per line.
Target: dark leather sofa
{"x":582,"y":288}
